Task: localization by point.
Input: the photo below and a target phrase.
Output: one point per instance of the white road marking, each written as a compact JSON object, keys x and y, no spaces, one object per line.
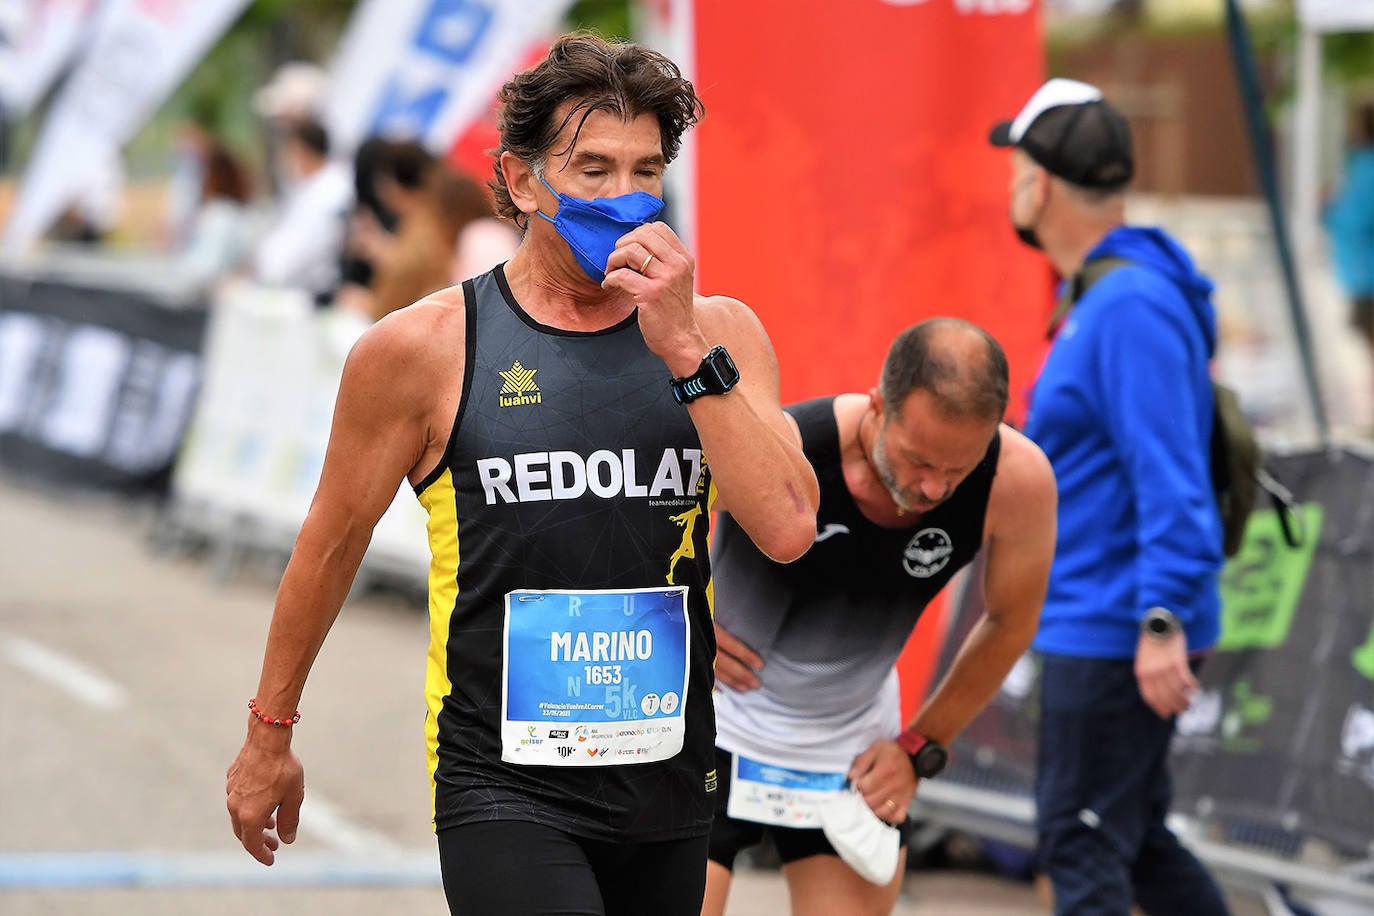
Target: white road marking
{"x":165,"y":869}
{"x":326,"y":822}
{"x":65,"y":673}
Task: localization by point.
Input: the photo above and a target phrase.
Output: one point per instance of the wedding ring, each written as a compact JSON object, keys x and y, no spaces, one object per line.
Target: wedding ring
{"x":645,"y":266}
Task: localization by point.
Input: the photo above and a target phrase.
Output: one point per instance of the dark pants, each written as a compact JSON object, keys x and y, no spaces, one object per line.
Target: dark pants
{"x":515,"y":868}
{"x":1102,"y":792}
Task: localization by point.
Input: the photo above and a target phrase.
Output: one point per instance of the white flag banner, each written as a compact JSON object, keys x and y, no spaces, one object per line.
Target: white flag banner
{"x":1336,"y":15}
{"x":425,"y":69}
{"x":37,"y":39}
{"x":141,"y":51}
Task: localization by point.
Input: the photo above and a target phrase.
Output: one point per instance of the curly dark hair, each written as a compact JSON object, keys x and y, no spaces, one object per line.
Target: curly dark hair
{"x":597,"y":75}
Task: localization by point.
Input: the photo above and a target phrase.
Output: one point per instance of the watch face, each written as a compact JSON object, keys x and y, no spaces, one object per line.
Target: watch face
{"x":931,"y":760}
{"x":723,"y":367}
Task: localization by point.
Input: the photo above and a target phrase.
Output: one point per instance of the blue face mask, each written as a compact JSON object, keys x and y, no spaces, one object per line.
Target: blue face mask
{"x":591,"y":227}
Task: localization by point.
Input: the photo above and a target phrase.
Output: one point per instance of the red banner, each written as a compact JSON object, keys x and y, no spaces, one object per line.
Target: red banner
{"x":846,"y":188}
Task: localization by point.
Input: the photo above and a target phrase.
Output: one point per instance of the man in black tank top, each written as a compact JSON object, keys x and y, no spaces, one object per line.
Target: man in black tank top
{"x":916,"y":478}
{"x":566,"y":419}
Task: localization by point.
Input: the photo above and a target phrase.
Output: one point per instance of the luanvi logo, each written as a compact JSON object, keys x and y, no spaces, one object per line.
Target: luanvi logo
{"x":518,"y":387}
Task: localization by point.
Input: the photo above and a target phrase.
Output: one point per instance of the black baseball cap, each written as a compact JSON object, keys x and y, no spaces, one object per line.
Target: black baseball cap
{"x":1074,"y":133}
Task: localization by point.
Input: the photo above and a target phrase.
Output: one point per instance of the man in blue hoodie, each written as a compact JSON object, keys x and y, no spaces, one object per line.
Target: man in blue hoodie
{"x":1123,"y":409}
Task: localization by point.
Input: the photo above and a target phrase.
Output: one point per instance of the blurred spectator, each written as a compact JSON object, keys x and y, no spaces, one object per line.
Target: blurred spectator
{"x":189,"y":150}
{"x":97,"y":204}
{"x":388,"y":180}
{"x":304,"y":245}
{"x":420,"y":258}
{"x":368,"y":162}
{"x":218,"y":239}
{"x":1350,"y":220}
{"x":394,"y":189}
{"x":293,"y":94}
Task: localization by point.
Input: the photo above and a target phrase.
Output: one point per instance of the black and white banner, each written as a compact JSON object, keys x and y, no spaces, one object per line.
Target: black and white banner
{"x":1281,"y":735}
{"x":96,"y":385}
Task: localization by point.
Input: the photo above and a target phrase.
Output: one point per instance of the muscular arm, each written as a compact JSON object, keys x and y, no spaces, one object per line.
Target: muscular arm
{"x":755,"y":454}
{"x":760,"y":473}
{"x":1019,"y":549}
{"x":379,"y":433}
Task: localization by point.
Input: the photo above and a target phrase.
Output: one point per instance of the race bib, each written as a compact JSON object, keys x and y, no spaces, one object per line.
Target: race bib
{"x":783,"y":797}
{"x":594,"y":678}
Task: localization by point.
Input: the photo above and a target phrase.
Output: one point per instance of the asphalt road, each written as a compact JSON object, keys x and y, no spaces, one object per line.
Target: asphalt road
{"x":124,"y":678}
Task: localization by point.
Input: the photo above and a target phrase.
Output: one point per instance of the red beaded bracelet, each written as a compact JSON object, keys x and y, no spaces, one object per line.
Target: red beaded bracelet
{"x":283,"y":723}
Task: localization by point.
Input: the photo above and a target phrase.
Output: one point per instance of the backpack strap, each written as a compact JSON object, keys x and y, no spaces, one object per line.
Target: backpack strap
{"x":1078,"y":284}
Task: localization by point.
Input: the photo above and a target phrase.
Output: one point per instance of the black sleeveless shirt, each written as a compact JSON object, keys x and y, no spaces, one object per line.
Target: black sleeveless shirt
{"x":830,"y":625}
{"x":570,"y":467}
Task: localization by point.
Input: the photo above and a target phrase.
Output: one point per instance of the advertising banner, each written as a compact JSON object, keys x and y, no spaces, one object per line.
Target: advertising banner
{"x":96,"y":385}
{"x":37,"y":39}
{"x":1281,"y":735}
{"x":426,"y":69}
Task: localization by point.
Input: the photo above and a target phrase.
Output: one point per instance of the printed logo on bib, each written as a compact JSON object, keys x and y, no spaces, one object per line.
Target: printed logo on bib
{"x":927,"y":553}
{"x":609,"y":667}
{"x":777,"y":795}
{"x":518,"y":387}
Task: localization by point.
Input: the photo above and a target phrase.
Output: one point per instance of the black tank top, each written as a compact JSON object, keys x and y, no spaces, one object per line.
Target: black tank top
{"x":570,"y":467}
{"x":857,"y":593}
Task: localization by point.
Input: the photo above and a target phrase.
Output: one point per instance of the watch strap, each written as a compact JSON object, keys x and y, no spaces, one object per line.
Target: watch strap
{"x":708,"y":378}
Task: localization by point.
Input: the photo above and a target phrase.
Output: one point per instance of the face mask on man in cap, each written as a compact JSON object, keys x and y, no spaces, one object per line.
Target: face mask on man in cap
{"x":1025,"y":232}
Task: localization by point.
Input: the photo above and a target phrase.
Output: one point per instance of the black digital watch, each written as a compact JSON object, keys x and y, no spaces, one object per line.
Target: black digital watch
{"x":716,"y":375}
{"x":928,"y":756}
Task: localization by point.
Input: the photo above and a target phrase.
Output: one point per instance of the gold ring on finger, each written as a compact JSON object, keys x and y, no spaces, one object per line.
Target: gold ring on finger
{"x":645,"y":266}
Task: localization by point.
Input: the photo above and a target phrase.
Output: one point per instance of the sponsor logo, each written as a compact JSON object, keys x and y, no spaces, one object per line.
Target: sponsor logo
{"x":593,"y":751}
{"x":530,"y":729}
{"x":711,"y":780}
{"x":564,"y":751}
{"x":927,"y":553}
{"x":530,"y":477}
{"x":518,"y":387}
{"x":582,"y":733}
{"x":830,"y":530}
{"x":558,"y":733}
